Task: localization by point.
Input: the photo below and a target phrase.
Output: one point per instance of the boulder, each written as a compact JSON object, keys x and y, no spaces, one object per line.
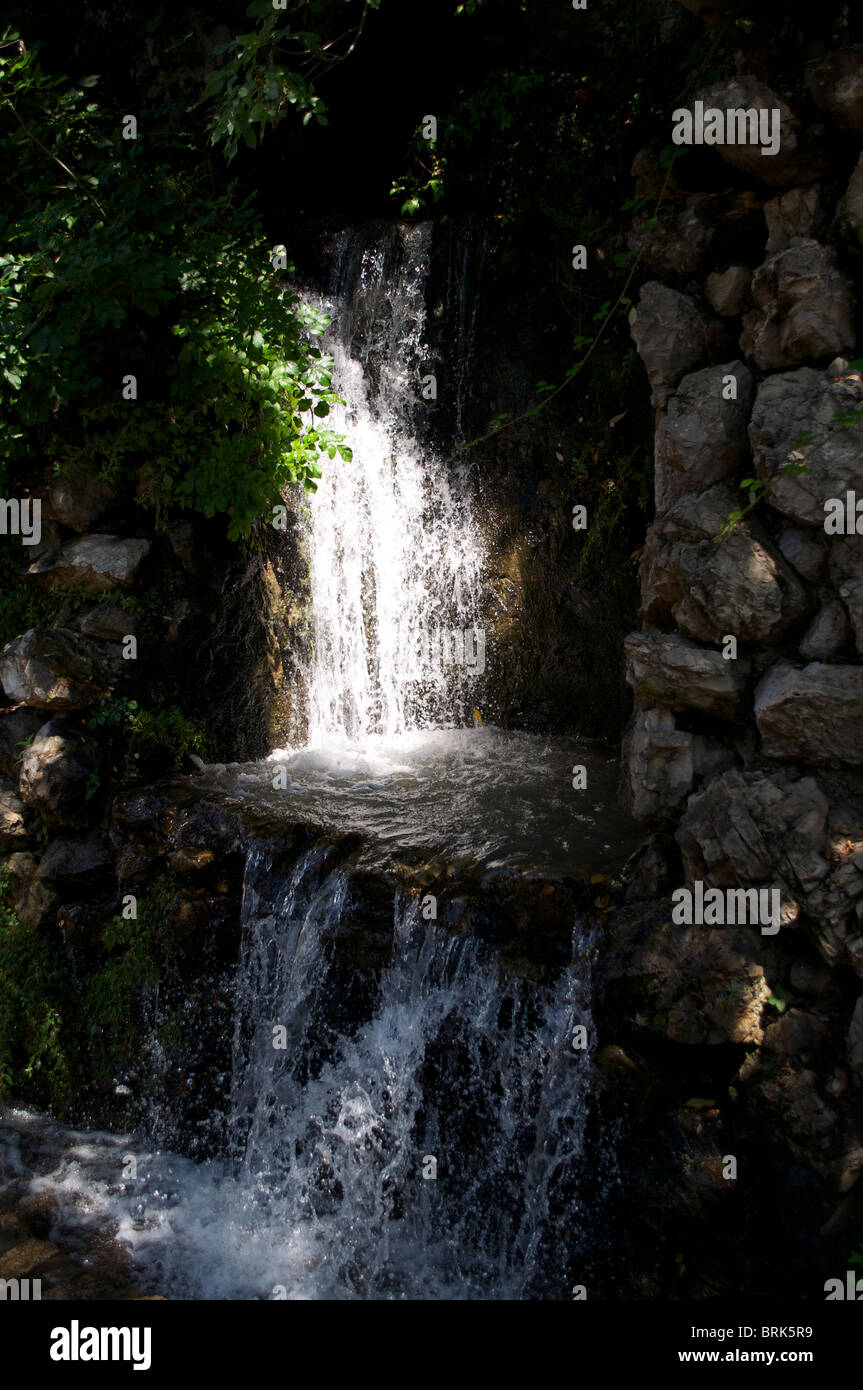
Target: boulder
{"x":846,"y":572}
{"x":703,"y":437}
{"x":804,"y":308}
{"x":739,"y":586}
{"x":677,"y":245}
{"x":696,"y":985}
{"x":805,"y":550}
{"x":813,"y":715}
{"x":674,"y":335}
{"x":727,"y":291}
{"x":55,"y":669}
{"x":835,"y":84}
{"x":79,"y":861}
{"x":660,"y":763}
{"x":667,"y":669}
{"x":93,"y":564}
{"x":793,"y":162}
{"x":797,"y":213}
{"x":17,"y":727}
{"x":722,"y":834}
{"x":794,"y":422}
{"x":57,"y":772}
{"x":107,"y":623}
{"x":13,"y":833}
{"x":749,"y":829}
{"x":828,"y":634}
{"x":78,"y":499}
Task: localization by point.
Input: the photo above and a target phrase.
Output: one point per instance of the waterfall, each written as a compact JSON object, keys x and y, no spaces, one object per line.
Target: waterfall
{"x":406,"y":1110}
{"x":426,"y":1143}
{"x":395,"y":554}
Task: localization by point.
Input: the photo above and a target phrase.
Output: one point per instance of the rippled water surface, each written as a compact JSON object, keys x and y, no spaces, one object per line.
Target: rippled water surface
{"x":489,"y":795}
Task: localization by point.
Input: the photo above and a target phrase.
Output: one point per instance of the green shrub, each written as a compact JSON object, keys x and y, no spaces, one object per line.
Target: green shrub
{"x":126,"y":259}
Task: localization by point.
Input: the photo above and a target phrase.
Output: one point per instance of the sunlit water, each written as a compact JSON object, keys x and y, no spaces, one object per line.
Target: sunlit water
{"x":485,"y":795}
{"x":326,"y":1187}
{"x":331,"y":1193}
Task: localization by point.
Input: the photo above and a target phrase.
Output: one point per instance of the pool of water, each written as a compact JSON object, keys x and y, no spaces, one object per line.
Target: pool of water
{"x":486,"y":795}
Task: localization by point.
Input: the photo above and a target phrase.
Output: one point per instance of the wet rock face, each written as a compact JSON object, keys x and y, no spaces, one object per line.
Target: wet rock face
{"x":711,"y":588}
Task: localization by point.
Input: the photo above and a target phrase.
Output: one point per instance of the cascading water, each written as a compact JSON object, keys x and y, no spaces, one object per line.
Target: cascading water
{"x":428,"y":1150}
{"x":395,"y":556}
{"x":406,"y":1124}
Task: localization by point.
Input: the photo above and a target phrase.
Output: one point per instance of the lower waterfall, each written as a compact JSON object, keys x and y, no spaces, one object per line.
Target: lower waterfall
{"x":430,"y":1150}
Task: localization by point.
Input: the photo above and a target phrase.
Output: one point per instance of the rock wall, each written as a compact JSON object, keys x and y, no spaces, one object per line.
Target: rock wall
{"x":744,"y":752}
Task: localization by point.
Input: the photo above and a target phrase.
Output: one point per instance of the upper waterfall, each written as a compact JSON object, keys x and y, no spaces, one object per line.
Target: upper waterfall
{"x":395,"y":555}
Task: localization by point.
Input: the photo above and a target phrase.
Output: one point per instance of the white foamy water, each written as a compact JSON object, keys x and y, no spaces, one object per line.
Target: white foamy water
{"x":395,"y":556}
{"x":326,"y":1197}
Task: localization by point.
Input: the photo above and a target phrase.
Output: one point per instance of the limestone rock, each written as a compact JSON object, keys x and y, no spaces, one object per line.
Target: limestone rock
{"x":792,"y":163}
{"x":720,"y":838}
{"x":727,"y":291}
{"x":77,"y":861}
{"x":55,"y":772}
{"x":703,"y":437}
{"x":804,"y":308}
{"x":696,"y":985}
{"x":739,"y":586}
{"x":93,"y":564}
{"x":748,"y":829}
{"x":78,"y":499}
{"x":828,"y":634}
{"x":54,"y":669}
{"x":836,"y":86}
{"x":667,"y":669}
{"x":34,"y":903}
{"x":13,"y":833}
{"x":788,"y":408}
{"x":846,"y":572}
{"x":17,"y":727}
{"x":805,"y":550}
{"x":107,"y":623}
{"x":814,"y":714}
{"x":674,"y":335}
{"x":797,"y":213}
{"x":661,"y":762}
{"x":677,"y":245}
